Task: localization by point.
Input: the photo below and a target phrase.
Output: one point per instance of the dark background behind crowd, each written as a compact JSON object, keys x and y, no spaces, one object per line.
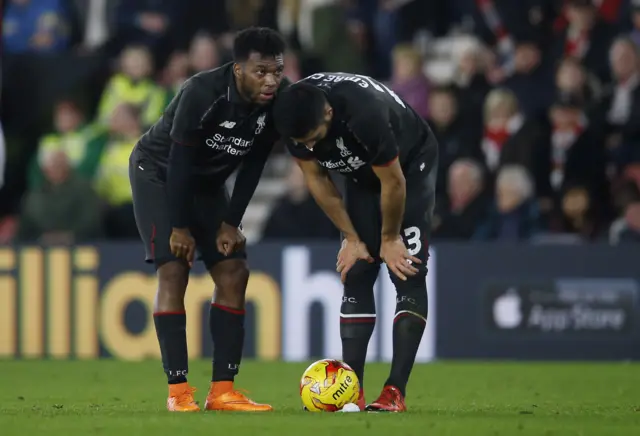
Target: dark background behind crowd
{"x":536,"y":104}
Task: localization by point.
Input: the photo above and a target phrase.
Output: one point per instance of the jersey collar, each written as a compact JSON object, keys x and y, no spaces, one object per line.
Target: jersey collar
{"x":233,"y":96}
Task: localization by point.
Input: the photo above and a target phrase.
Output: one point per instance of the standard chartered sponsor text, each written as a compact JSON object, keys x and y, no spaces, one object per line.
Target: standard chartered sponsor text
{"x":230,"y":144}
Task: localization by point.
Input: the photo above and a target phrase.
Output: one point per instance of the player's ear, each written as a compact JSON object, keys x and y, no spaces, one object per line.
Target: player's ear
{"x":328,"y":112}
{"x":237,"y":70}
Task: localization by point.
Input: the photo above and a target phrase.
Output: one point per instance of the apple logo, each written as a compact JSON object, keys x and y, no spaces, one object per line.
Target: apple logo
{"x":506,"y":310}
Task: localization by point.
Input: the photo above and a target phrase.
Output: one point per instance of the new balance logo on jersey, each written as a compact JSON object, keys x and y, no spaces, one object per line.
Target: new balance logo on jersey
{"x":228,"y":124}
{"x":351,"y":164}
{"x":355,"y":162}
{"x":344,"y":152}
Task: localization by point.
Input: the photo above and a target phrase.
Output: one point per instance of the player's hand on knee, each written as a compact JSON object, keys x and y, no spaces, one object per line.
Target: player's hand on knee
{"x":230,"y":239}
{"x":395,"y":254}
{"x":182,"y":244}
{"x":351,"y":251}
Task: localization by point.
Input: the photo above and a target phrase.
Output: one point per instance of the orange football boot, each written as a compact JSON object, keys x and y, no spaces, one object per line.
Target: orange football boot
{"x":390,"y":400}
{"x":181,"y":398}
{"x":361,"y":403}
{"x":222,"y":396}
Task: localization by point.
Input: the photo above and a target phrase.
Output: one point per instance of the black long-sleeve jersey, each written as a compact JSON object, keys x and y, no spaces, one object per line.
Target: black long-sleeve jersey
{"x":371,"y":126}
{"x":208,"y":113}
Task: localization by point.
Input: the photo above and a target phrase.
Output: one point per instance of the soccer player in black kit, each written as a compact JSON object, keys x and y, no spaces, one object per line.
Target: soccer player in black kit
{"x":219,"y":120}
{"x":357,"y":126}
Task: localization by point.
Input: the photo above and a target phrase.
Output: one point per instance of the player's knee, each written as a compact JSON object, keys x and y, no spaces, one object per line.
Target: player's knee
{"x":173,"y":278}
{"x":418,"y":278}
{"x":230,"y":277}
{"x":358,"y":298}
{"x":412,"y":297}
{"x":362,"y":275}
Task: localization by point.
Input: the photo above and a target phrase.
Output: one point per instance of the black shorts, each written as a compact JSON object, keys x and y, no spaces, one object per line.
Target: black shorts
{"x":363,"y":206}
{"x":152,"y":217}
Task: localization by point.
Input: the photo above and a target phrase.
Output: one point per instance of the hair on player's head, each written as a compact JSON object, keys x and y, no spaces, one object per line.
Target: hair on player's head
{"x":262,"y":40}
{"x":298,"y":110}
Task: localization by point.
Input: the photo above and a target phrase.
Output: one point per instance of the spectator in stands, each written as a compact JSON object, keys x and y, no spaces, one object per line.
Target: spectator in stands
{"x":586,"y":37}
{"x":635,"y":20}
{"x":573,"y":79}
{"x":626,"y":199}
{"x":468,"y":203}
{"x":82,"y":143}
{"x":626,"y":192}
{"x":292,"y":66}
{"x":133,"y":85}
{"x":499,"y":23}
{"x":35,"y":26}
{"x":509,"y":137}
{"x":62,"y":211}
{"x":515,"y":214}
{"x":471,"y":82}
{"x":620,"y":106}
{"x":3,"y":157}
{"x":95,"y":24}
{"x":574,"y":153}
{"x":8,"y":224}
{"x":175,"y":74}
{"x":380,"y":21}
{"x":632,"y":172}
{"x":296,"y":216}
{"x":408,"y":79}
{"x":331,"y":40}
{"x":203,"y":54}
{"x":112,"y":180}
{"x":579,"y":213}
{"x":627,"y":229}
{"x":531,"y":81}
{"x":246,"y":13}
{"x":151,"y":23}
{"x":455,"y":138}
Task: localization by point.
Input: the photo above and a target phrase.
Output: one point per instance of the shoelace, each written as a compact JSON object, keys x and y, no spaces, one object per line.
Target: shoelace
{"x":242,"y":393}
{"x":186,"y":397}
{"x":388,"y":396}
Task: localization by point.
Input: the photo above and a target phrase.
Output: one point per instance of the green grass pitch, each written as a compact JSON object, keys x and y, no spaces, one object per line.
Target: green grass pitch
{"x":458,"y":399}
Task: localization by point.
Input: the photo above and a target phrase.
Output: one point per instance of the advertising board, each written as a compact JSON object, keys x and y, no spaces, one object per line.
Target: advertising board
{"x":97,"y":301}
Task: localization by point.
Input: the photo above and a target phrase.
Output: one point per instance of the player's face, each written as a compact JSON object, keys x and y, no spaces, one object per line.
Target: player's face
{"x":319,"y":133}
{"x":259,"y":77}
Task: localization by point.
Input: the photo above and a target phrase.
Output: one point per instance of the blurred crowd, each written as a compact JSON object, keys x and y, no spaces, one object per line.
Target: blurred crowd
{"x":538,"y":119}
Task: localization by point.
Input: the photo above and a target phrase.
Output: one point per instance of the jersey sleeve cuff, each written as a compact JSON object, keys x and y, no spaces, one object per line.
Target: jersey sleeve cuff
{"x":179,"y":142}
{"x":385,"y":164}
{"x":306,"y":158}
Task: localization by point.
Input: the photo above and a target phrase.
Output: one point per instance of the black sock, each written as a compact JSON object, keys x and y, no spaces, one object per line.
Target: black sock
{"x":355,"y":334}
{"x":407,"y":334}
{"x":227,"y":332}
{"x":172,"y":335}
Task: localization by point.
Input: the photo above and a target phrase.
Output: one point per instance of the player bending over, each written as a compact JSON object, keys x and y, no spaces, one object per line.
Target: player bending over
{"x":219,"y":120}
{"x":358,"y":127}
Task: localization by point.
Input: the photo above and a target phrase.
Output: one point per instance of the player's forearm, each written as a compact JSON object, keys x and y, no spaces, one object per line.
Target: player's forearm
{"x":246,"y":184}
{"x":326,"y":194}
{"x":181,"y":159}
{"x":393,"y":194}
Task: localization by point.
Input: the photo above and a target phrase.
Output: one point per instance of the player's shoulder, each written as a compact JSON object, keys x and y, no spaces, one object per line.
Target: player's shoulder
{"x":216,"y":80}
{"x":336,"y":82}
{"x":285,"y":83}
{"x":351,"y":89}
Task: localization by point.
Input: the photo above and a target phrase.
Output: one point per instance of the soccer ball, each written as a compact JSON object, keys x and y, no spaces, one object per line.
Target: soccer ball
{"x":327,"y":385}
